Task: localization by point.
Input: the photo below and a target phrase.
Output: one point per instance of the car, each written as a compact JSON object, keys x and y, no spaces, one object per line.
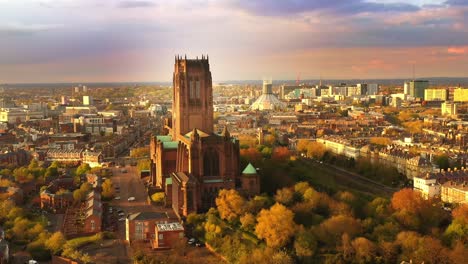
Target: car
{"x":123,"y":171}
{"x":117,"y":198}
{"x":131,"y":199}
{"x":121,"y":219}
{"x":121,"y":214}
{"x":120,"y":211}
{"x":199,"y":244}
{"x":191,"y":241}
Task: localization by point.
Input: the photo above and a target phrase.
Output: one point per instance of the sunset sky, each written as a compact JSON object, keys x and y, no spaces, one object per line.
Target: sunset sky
{"x":113,"y":41}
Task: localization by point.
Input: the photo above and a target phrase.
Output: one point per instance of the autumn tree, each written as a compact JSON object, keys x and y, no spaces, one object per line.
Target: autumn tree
{"x":108,"y":189}
{"x":333,"y":228}
{"x":285,"y":196}
{"x":302,"y":145}
{"x":251,"y":154}
{"x":275,"y":225}
{"x":55,"y":242}
{"x":316,"y":150}
{"x":281,"y":154}
{"x":140,"y":152}
{"x":365,"y":250}
{"x":82,"y":169}
{"x":458,"y":229}
{"x":305,"y":243}
{"x":230,"y":204}
{"x":383,"y":141}
{"x":248,"y":221}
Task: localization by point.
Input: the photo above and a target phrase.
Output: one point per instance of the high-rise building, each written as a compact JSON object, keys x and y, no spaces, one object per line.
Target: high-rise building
{"x":448,"y":108}
{"x":192,"y":163}
{"x":372,"y":89}
{"x":87,"y":100}
{"x":436,"y":95}
{"x":460,"y":95}
{"x":417,"y":87}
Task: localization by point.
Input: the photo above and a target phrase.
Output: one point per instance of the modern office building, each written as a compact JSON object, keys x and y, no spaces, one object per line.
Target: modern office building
{"x":436,"y":95}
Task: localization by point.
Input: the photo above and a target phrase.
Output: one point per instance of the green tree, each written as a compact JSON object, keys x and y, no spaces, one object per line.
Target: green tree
{"x":82,"y":169}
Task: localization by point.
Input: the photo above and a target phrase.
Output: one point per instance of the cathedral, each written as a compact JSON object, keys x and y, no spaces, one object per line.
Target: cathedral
{"x":191,"y":163}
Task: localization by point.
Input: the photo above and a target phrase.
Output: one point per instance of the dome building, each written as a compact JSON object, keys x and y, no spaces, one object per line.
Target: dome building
{"x":267,"y":101}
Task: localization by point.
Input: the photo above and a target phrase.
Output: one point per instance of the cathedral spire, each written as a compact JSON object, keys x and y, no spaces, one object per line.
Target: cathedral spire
{"x":226,"y":133}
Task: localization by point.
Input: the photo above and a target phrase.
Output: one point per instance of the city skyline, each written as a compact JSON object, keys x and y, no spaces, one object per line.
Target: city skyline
{"x":119,"y":41}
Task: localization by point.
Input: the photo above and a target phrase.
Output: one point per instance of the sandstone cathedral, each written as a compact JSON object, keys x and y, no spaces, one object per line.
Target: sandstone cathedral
{"x":191,"y":163}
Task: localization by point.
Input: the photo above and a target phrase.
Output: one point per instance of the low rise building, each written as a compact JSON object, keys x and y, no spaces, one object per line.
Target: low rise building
{"x":141,"y":226}
{"x":454,"y":192}
{"x":167,"y":235}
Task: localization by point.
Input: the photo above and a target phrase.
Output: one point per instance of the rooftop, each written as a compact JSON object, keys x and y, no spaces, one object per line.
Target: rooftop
{"x":147,"y":216}
{"x":250,"y":169}
{"x":170,"y":227}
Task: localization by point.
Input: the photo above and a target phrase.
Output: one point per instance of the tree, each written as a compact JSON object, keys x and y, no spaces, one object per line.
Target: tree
{"x":51,"y":172}
{"x":316,"y":150}
{"x":108,"y":189}
{"x":365,"y":251}
{"x":442,"y":161}
{"x":82,"y":169}
{"x":414,"y":211}
{"x":248,"y":221}
{"x":143,"y":165}
{"x":333,"y":228}
{"x":251,"y":154}
{"x":305,"y":243}
{"x":275,"y":225}
{"x":302,"y":145}
{"x":230,"y":204}
{"x":281,"y":154}
{"x":140,"y":152}
{"x":383,"y":141}
{"x":285,"y":196}
{"x":55,"y":242}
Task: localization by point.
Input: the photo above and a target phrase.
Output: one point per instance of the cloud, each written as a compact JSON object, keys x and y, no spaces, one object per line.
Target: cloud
{"x":457,"y":50}
{"x":288,"y":7}
{"x":457,"y":2}
{"x":135,"y":4}
{"x":26,"y":29}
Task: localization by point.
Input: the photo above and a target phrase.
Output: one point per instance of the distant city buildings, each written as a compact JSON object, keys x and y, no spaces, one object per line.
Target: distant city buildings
{"x":435,"y":94}
{"x":460,"y":95}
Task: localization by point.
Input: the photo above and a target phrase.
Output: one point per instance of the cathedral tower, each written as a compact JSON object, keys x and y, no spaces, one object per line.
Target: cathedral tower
{"x":193,"y":96}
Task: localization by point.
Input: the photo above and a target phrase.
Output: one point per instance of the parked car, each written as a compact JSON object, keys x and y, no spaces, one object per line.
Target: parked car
{"x":117,"y":198}
{"x":191,"y":241}
{"x":131,"y":199}
{"x":121,"y":219}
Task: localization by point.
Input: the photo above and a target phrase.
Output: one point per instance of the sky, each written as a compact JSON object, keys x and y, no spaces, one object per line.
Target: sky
{"x":136,"y":40}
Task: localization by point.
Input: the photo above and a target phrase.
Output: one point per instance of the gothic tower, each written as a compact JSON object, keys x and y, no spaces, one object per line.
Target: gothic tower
{"x":193,"y":96}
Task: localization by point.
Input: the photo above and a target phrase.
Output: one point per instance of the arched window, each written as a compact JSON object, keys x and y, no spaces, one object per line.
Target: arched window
{"x":211,"y":163}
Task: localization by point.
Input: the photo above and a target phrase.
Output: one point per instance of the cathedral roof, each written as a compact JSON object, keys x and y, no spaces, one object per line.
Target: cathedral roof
{"x":164,"y":138}
{"x":170,"y":144}
{"x":250,"y":169}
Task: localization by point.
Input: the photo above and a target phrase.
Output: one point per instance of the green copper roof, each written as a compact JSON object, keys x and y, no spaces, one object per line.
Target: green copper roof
{"x":164,"y":138}
{"x":213,"y":181}
{"x":168,"y":180}
{"x":250,"y":169}
{"x":170,"y":144}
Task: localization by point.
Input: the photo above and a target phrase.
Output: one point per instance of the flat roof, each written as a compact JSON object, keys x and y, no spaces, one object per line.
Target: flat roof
{"x":169,"y":227}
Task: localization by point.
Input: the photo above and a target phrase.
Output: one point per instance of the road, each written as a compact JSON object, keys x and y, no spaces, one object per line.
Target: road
{"x":344,"y":177}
